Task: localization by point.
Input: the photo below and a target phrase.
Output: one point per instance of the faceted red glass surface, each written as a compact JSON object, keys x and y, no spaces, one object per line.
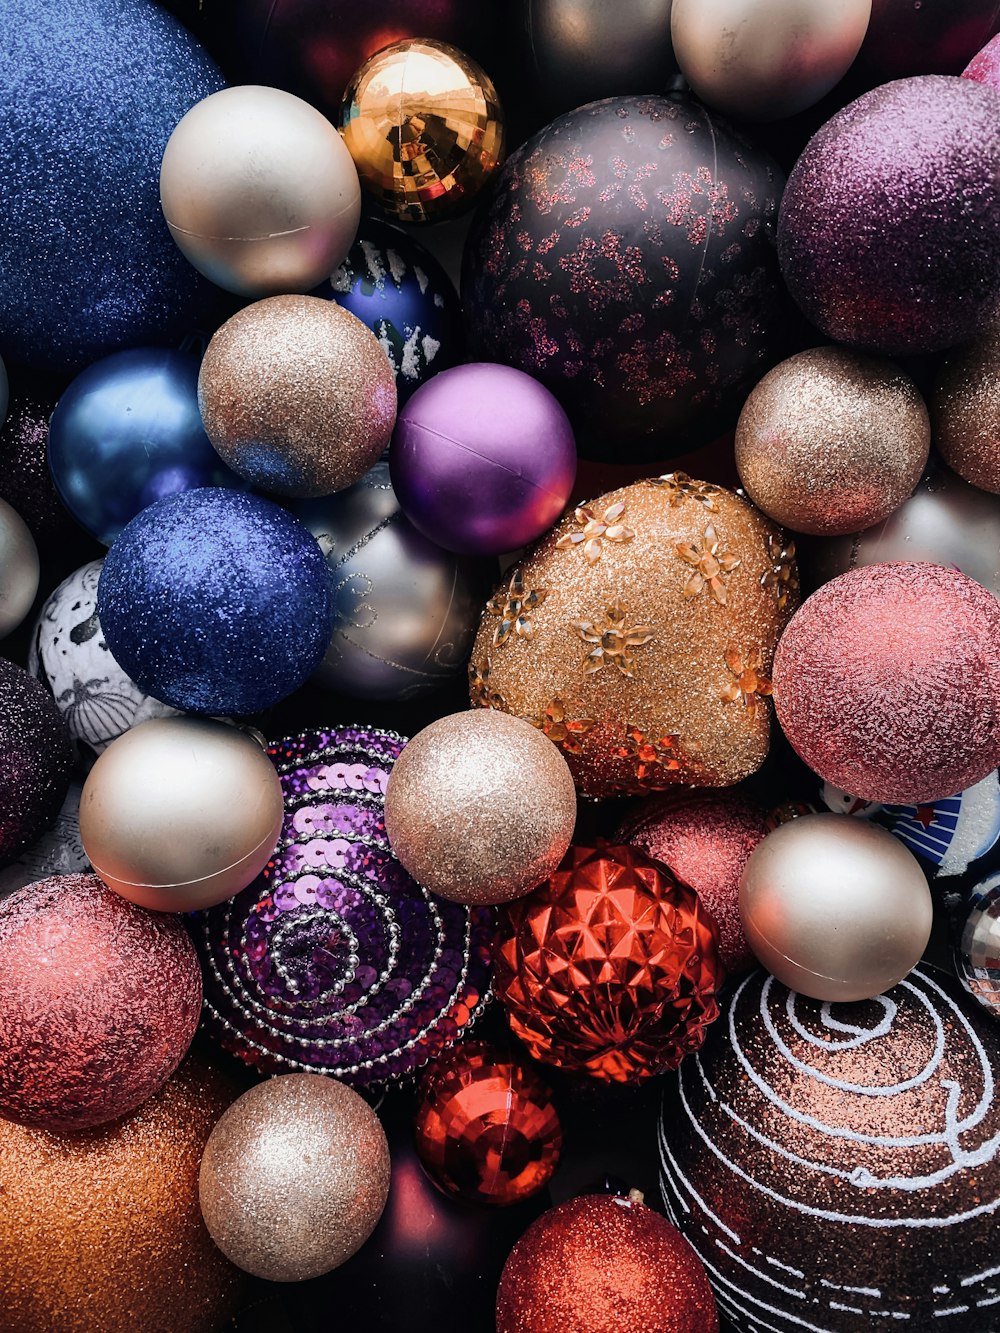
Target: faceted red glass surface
{"x":486,"y":1128}
{"x":610,"y":967}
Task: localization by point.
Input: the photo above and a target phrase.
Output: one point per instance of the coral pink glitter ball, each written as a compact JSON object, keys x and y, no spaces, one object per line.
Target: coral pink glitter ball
{"x":887,"y":682}
{"x":99,"y":1000}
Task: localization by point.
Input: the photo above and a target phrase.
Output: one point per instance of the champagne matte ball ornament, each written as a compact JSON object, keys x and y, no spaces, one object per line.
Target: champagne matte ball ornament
{"x":766,"y":59}
{"x":297,"y":396}
{"x":966,"y":411}
{"x":835,"y":908}
{"x":831,"y":441}
{"x":181,"y":813}
{"x":294,"y":1177}
{"x":480,"y":807}
{"x":259,"y":192}
{"x":19,"y":569}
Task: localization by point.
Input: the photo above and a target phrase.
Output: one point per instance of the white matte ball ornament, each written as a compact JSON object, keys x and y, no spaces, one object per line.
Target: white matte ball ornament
{"x":834,"y":907}
{"x":259,"y":192}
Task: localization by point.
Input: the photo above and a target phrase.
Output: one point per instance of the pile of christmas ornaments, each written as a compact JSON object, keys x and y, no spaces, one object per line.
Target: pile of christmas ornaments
{"x":654,"y":982}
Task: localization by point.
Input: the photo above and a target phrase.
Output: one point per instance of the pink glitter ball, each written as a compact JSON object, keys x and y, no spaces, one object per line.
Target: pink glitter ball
{"x":706,"y":839}
{"x":99,"y":1001}
{"x":886,"y":682}
{"x":985,"y":66}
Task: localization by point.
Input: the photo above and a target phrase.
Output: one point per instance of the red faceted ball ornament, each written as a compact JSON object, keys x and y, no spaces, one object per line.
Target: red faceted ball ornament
{"x":600,"y":1264}
{"x":486,"y":1128}
{"x":610,"y":967}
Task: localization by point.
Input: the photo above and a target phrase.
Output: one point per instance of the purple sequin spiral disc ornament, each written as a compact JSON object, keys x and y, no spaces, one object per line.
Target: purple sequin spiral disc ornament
{"x":335,"y":961}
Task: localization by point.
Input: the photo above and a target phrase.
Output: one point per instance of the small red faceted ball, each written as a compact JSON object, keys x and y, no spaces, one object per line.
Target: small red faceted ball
{"x":886,"y":682}
{"x":706,"y":839}
{"x":486,"y":1129}
{"x":99,"y":1001}
{"x":600,"y":1264}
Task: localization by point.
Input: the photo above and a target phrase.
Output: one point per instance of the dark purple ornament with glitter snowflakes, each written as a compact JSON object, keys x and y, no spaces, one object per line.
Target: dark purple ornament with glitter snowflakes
{"x":335,"y":961}
{"x":627,"y":260}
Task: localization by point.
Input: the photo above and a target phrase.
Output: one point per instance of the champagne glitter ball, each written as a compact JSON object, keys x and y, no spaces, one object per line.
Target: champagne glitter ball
{"x":101,"y":1230}
{"x":297,"y":396}
{"x":966,"y":411}
{"x":294,"y":1177}
{"x":480,"y":807}
{"x":602,"y":1264}
{"x":638,"y":636}
{"x":836,"y":1167}
{"x":831,"y":441}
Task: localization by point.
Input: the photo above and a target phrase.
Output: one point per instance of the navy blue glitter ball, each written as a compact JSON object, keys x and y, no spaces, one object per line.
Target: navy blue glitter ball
{"x":89,"y":94}
{"x":216,"y":601}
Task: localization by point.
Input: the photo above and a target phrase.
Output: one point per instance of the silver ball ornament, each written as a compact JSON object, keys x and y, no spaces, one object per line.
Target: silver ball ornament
{"x":18,"y":566}
{"x":977,"y":954}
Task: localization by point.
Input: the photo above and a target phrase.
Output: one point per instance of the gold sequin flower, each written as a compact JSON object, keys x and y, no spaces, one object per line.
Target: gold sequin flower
{"x":514,"y":607}
{"x":750,"y":685}
{"x":481,"y":692}
{"x":651,"y":759}
{"x":612,"y":638}
{"x":678,"y":487}
{"x":592,"y":532}
{"x":782,"y":576}
{"x":569,"y":733}
{"x":711,"y":564}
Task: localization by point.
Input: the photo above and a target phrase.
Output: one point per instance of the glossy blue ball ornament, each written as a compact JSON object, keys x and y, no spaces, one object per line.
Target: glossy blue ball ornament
{"x":90,"y":91}
{"x":126,"y":433}
{"x":216,"y":601}
{"x":399,"y":290}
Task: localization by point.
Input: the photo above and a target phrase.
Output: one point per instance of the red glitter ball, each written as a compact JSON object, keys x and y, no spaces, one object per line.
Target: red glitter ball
{"x":486,"y":1127}
{"x":706,"y":839}
{"x":610,"y":967}
{"x":600,"y":1264}
{"x":886,"y":682}
{"x":99,"y":1001}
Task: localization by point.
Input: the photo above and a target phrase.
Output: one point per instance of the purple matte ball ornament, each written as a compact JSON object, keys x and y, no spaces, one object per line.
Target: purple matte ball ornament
{"x":482,"y":459}
{"x":889,"y":232}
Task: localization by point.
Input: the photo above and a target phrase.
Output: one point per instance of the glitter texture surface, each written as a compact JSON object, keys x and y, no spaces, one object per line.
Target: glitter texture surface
{"x":216,"y":602}
{"x":832,"y":442}
{"x":639,"y":633}
{"x":966,"y":411}
{"x":600,"y":1264}
{"x":836,"y":1166}
{"x":101,"y":1230}
{"x":25,"y":479}
{"x":705,"y":839}
{"x":985,"y":66}
{"x":294,"y":1178}
{"x":36,"y":757}
{"x":297,"y":395}
{"x":335,"y":961}
{"x":90,"y":94}
{"x":610,"y":967}
{"x":99,"y":1001}
{"x":480,"y":807}
{"x":886,"y":682}
{"x":889,"y":233}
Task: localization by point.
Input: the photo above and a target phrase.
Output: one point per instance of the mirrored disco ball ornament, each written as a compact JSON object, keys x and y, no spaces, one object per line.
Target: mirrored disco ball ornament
{"x":335,"y":961}
{"x":977,"y":957}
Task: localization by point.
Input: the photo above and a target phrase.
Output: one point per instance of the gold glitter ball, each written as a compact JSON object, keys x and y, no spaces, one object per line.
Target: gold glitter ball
{"x":966,"y":411}
{"x":425,"y":128}
{"x":662,"y":647}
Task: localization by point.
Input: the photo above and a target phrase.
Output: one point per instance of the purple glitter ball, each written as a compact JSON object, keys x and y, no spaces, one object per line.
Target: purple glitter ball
{"x":482,"y":459}
{"x":889,"y":233}
{"x":335,"y":961}
{"x":36,"y":759}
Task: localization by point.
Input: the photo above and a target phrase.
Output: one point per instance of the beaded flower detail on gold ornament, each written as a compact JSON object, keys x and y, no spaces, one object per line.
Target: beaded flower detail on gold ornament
{"x":782,"y":576}
{"x":678,"y":487}
{"x":612,"y":640}
{"x":481,"y":692}
{"x":591,"y":531}
{"x":514,"y":607}
{"x":750,"y":686}
{"x":568,"y":732}
{"x":651,"y":758}
{"x":712,"y":565}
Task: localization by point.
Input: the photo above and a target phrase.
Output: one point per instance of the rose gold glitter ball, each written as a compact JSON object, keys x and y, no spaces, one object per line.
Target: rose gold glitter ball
{"x":966,"y":411}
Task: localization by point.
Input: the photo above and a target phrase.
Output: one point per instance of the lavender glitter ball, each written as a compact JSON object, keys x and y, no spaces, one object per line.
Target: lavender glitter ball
{"x":215,"y":601}
{"x":482,"y":459}
{"x":889,"y":232}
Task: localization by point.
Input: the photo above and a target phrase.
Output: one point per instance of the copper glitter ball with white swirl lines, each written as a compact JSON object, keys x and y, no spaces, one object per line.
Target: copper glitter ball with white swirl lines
{"x":335,"y":961}
{"x":836,"y":1166}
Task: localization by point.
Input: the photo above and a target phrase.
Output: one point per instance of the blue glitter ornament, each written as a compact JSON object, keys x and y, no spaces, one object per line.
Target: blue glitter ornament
{"x":126,"y":433}
{"x":399,"y":290}
{"x":216,"y":601}
{"x":89,"y":94}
